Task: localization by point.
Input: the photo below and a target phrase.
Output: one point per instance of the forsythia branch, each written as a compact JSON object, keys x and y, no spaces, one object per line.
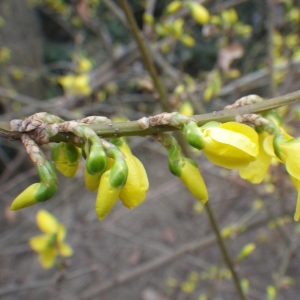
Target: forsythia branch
{"x":134,"y":128}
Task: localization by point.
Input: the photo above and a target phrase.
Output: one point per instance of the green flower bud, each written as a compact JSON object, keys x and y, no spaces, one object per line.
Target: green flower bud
{"x":175,"y":160}
{"x":38,"y":192}
{"x":193,"y":135}
{"x":96,"y":161}
{"x":118,"y":174}
{"x":192,"y":179}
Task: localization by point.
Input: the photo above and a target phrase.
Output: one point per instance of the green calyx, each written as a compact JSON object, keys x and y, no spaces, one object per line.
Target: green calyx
{"x":193,"y":135}
{"x":211,"y":124}
{"x":191,"y":161}
{"x":48,"y":186}
{"x":66,"y":158}
{"x":118,"y":174}
{"x":175,"y":160}
{"x":96,"y":161}
{"x":273,"y":116}
{"x":45,"y":192}
{"x":70,"y":152}
{"x":38,"y":192}
{"x":73,"y":154}
{"x":276,"y":144}
{"x":175,"y":166}
{"x":119,"y":141}
{"x":55,"y":151}
{"x":47,"y":173}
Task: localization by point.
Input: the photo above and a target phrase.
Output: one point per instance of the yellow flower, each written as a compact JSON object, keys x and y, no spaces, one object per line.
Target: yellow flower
{"x":230,"y":145}
{"x":289,"y":153}
{"x":76,"y":84}
{"x":137,"y":184}
{"x":192,"y":179}
{"x":51,"y":244}
{"x":256,"y":170}
{"x":84,"y":65}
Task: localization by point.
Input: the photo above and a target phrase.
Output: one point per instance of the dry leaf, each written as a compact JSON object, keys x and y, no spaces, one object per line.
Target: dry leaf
{"x":228,"y":54}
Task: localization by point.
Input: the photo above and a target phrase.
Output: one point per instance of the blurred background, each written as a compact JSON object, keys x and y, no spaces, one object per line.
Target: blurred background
{"x":76,"y":58}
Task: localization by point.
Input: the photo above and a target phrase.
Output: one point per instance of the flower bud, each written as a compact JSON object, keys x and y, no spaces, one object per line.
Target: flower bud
{"x":38,"y":192}
{"x":96,"y":161}
{"x":111,"y":183}
{"x":193,"y":135}
{"x":136,"y":186}
{"x":173,"y":7}
{"x":246,"y":252}
{"x":107,"y":196}
{"x":198,"y":12}
{"x":148,"y":19}
{"x":192,"y":179}
{"x":176,"y":27}
{"x":66,"y":158}
{"x":231,"y":145}
{"x":187,"y":40}
{"x":91,"y":181}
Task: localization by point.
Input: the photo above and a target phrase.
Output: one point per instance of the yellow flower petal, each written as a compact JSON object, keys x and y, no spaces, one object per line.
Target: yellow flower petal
{"x":137,"y":184}
{"x":290,"y":155}
{"x":256,"y":170}
{"x":268,"y":145}
{"x":192,"y":179}
{"x":61,"y":233}
{"x":26,"y":198}
{"x":47,"y":258}
{"x":107,"y":196}
{"x":39,"y":243}
{"x":46,"y":221}
{"x":297,"y":185}
{"x":231,"y":145}
{"x":235,"y":139}
{"x":65,"y":250}
{"x":91,"y":181}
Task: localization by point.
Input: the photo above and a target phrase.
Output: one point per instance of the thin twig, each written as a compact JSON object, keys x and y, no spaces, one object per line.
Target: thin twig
{"x":270,"y":30}
{"x":155,"y":263}
{"x":163,"y":99}
{"x":224,"y":251}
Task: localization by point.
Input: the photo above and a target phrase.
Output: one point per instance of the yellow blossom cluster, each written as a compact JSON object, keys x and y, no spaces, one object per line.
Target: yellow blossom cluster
{"x":116,"y":173}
